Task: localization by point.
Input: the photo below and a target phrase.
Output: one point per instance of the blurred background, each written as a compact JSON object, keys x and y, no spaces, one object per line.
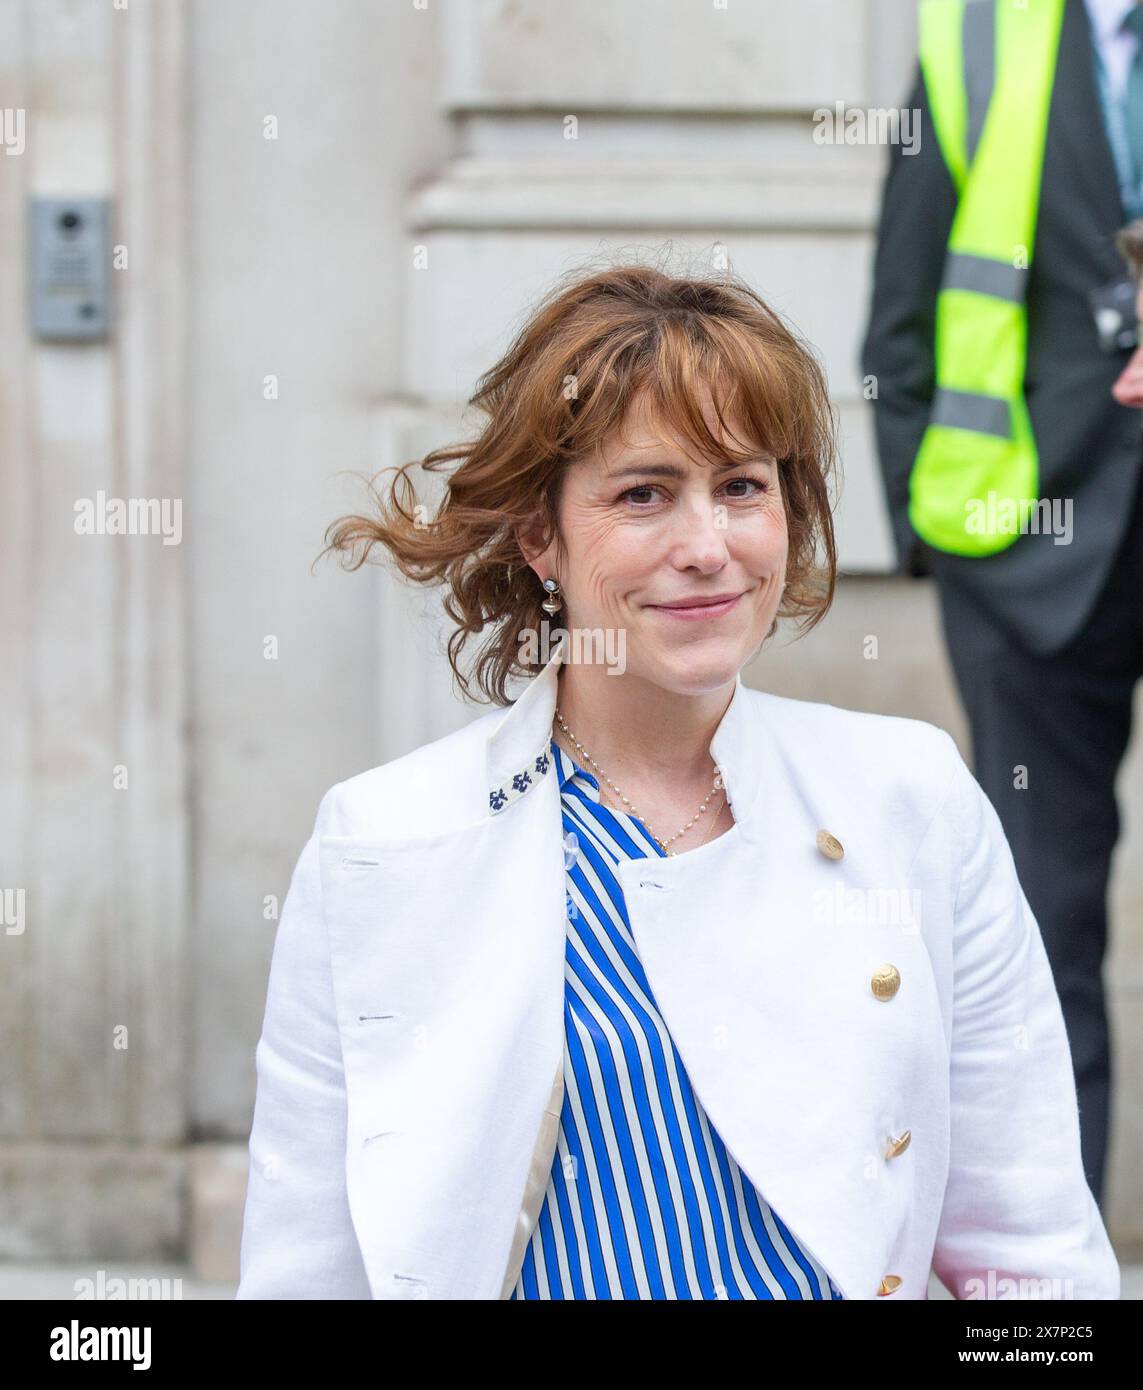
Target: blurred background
{"x":324,"y":222}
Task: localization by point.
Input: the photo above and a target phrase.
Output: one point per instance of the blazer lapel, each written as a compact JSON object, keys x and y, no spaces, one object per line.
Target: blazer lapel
{"x":447,"y":956}
{"x":761,"y":956}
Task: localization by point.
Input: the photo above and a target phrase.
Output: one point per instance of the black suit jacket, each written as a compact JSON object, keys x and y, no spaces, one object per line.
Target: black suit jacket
{"x":1090,"y":447}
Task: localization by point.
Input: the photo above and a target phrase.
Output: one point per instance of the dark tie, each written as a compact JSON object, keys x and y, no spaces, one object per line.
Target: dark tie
{"x":1133,"y":98}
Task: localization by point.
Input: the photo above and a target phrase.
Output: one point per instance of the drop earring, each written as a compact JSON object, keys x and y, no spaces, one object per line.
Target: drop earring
{"x":553,"y":602}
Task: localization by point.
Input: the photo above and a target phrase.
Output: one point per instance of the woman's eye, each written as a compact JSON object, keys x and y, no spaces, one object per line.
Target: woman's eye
{"x":751,"y":482}
{"x":630,"y":494}
{"x":640,"y":496}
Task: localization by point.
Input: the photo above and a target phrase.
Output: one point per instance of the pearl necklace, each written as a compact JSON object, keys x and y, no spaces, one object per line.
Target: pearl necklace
{"x":631,"y":811}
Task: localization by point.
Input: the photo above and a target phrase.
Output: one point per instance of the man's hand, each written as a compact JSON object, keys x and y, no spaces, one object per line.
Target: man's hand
{"x":1128,"y":388}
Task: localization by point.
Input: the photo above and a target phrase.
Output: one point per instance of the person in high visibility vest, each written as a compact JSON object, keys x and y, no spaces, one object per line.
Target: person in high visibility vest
{"x":1001,"y":319}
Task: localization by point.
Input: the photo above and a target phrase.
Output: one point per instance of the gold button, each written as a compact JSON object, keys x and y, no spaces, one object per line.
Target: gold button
{"x":886,"y":981}
{"x":898,"y":1144}
{"x":829,"y":845}
{"x":890,"y":1284}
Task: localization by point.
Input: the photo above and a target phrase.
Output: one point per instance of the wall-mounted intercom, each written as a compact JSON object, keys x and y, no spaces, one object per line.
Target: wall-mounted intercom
{"x":70,"y":268}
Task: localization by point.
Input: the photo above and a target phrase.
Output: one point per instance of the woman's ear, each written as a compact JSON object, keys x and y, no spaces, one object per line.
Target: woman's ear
{"x":529,"y":542}
{"x":538,"y":555}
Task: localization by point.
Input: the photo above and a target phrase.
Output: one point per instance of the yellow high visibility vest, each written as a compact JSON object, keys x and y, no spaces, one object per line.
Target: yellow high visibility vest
{"x":989,"y":68}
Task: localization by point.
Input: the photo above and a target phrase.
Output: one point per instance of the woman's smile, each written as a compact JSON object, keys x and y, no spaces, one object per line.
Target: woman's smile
{"x":690,"y":611}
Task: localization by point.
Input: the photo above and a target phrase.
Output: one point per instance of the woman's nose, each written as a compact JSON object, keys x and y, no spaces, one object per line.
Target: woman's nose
{"x":702,"y":531}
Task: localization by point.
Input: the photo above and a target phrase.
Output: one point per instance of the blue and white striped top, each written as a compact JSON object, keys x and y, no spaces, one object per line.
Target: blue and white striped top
{"x":644,"y":1200}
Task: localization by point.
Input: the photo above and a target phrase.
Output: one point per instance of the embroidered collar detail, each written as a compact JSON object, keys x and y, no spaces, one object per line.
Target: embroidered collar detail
{"x":520,"y":783}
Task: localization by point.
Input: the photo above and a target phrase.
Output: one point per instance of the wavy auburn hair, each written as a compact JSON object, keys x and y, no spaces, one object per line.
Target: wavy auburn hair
{"x":590,"y":347}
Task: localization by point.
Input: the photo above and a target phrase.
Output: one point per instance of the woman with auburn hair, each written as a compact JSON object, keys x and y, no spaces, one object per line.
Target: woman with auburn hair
{"x":655,"y":985}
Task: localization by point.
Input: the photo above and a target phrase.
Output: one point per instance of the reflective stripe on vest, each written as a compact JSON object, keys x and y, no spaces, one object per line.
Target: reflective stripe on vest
{"x":989,"y":69}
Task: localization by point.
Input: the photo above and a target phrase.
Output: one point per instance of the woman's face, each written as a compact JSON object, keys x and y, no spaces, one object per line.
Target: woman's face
{"x":645,"y":527}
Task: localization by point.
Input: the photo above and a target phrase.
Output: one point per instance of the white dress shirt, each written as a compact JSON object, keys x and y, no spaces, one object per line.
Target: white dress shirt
{"x":1116,"y":45}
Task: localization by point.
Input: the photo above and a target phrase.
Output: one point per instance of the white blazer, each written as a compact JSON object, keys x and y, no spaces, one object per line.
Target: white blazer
{"x":410,"y":1068}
